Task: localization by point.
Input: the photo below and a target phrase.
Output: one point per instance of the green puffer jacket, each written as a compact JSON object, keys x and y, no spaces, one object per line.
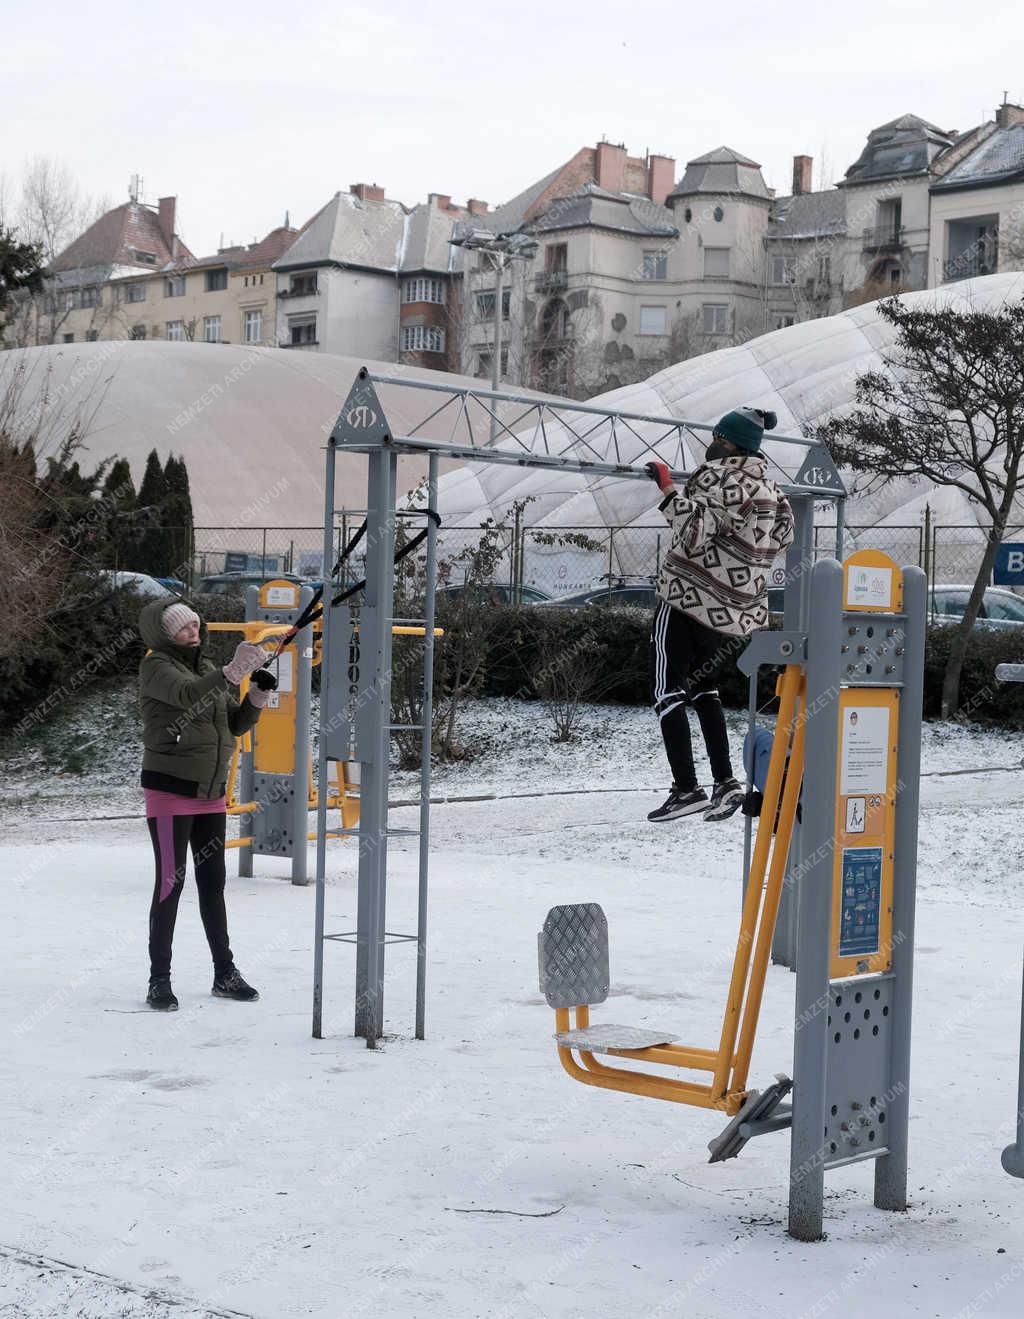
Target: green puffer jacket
{"x":189,"y":717}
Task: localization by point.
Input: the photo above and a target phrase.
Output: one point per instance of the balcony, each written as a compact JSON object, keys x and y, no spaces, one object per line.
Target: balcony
{"x":968,"y":265}
{"x":304,"y":292}
{"x":550,"y":281}
{"x":884,"y":238}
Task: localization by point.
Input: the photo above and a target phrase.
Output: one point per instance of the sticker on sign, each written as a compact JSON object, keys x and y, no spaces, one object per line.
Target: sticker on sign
{"x":866,"y":585}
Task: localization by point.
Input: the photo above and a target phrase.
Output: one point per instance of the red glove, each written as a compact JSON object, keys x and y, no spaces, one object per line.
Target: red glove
{"x":659,"y":472}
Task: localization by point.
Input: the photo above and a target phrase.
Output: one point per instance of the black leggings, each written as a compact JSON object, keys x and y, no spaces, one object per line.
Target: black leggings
{"x":687,"y":659}
{"x":172,"y":835}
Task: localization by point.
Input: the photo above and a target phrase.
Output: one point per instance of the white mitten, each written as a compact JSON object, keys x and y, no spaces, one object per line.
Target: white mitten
{"x":245,"y":660}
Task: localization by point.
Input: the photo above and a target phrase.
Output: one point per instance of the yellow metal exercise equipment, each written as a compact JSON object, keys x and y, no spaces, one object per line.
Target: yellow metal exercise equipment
{"x":729,"y":1063}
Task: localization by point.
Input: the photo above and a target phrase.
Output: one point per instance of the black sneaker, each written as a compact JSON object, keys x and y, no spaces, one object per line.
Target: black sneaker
{"x":161,"y":995}
{"x":726,"y":799}
{"x":231,"y":985}
{"x":680,"y":803}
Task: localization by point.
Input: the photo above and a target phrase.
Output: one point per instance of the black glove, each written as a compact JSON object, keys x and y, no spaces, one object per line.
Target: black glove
{"x":752,"y":803}
{"x":264,"y":680}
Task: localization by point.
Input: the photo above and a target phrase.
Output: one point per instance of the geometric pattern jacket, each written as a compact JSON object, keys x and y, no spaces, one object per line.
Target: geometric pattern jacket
{"x":728,"y":526}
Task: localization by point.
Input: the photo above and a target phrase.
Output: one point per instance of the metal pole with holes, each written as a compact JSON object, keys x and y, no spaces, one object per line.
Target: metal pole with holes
{"x":426,"y":748}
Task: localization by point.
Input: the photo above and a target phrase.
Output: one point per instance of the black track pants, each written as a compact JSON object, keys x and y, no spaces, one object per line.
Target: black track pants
{"x":172,"y":835}
{"x":687,"y":659}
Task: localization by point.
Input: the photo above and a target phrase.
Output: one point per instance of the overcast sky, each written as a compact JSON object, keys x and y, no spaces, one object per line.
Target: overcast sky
{"x":246,"y":110}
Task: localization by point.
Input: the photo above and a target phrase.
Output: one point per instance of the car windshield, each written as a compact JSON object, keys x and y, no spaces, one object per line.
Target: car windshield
{"x":952,"y":603}
{"x":998,"y":605}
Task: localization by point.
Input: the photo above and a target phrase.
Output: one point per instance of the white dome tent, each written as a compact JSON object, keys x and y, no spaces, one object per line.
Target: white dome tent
{"x":803,"y":373}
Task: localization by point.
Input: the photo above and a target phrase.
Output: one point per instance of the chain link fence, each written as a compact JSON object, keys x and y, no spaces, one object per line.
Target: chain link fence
{"x":559,"y":561}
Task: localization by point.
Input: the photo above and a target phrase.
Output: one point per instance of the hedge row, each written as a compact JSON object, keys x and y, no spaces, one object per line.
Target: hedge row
{"x":522,"y":640}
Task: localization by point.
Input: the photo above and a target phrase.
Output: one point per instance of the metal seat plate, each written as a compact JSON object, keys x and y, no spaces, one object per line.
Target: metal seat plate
{"x":599,"y":1039}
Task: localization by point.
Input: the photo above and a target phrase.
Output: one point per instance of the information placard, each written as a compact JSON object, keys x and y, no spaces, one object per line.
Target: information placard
{"x":865,"y":750}
{"x":860,"y":901}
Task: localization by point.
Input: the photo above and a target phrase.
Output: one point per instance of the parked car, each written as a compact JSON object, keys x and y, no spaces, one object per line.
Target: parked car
{"x":236,"y":583}
{"x":620,"y":595}
{"x":173,"y":584}
{"x":1000,"y":609}
{"x":139,"y":582}
{"x":496,"y":593}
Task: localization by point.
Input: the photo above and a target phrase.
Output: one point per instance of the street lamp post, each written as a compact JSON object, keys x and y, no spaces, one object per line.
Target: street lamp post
{"x":501,"y":250}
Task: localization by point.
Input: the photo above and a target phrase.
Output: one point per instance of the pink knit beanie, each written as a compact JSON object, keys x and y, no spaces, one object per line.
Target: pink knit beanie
{"x":175,"y":617}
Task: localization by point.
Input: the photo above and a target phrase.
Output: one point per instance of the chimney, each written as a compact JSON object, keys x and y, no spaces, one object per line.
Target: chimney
{"x":477,"y":207}
{"x":661,"y":172}
{"x":366,"y":192}
{"x":802,"y":175}
{"x":610,"y":167}
{"x":1008,"y":115}
{"x":440,"y":199}
{"x":165,"y":212}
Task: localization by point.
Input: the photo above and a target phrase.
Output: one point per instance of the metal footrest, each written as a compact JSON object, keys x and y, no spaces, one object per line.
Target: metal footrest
{"x":756,"y":1110}
{"x":604,"y":1038}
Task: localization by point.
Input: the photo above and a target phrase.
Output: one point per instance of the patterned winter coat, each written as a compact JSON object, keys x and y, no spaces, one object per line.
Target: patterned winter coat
{"x":729,"y":524}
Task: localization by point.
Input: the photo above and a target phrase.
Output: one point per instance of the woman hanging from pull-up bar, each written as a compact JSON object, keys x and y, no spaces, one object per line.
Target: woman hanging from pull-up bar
{"x":729,"y":524}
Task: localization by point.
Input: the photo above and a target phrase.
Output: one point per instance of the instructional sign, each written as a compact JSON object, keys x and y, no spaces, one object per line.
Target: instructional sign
{"x":860,"y":901}
{"x":868,"y":586}
{"x":865,"y":749}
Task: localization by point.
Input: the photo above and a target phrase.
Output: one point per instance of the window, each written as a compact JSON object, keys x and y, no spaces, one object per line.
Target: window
{"x":653,"y":320}
{"x":91,"y":336}
{"x":1000,"y":604}
{"x":304,"y":284}
{"x":211,"y":329}
{"x":424,"y":290}
{"x":824,"y":269}
{"x":135,"y":293}
{"x":253,"y":329}
{"x":655,"y":265}
{"x":950,"y":602}
{"x":782,"y":322}
{"x":301,"y":329}
{"x":783,"y":270}
{"x":69,"y":338}
{"x":175,"y":330}
{"x":216,"y":280}
{"x":485,"y":305}
{"x":716,"y":263}
{"x":144,"y":258}
{"x":485,"y":361}
{"x":88,"y":297}
{"x":137,"y":332}
{"x":422,"y":339}
{"x":174,"y":286}
{"x":719,"y":214}
{"x":715,"y":317}
{"x":69,"y":300}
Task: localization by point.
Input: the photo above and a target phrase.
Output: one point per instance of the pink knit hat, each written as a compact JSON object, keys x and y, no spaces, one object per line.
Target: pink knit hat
{"x":177,"y":616}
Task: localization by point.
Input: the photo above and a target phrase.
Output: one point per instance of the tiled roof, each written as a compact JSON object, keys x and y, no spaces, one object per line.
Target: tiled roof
{"x":116,"y":236}
{"x":722,"y":171}
{"x":264,"y":253}
{"x":808,"y":215}
{"x":350,"y":232}
{"x":427,"y":231}
{"x":1000,"y":157}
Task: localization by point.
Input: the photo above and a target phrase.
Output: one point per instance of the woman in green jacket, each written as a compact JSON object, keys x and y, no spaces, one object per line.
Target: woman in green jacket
{"x":190,"y":719}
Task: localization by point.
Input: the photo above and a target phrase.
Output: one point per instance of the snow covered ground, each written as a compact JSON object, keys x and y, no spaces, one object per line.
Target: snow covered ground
{"x":220,"y":1161}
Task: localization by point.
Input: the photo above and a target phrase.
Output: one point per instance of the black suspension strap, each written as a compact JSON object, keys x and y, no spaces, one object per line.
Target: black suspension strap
{"x":406,"y":549}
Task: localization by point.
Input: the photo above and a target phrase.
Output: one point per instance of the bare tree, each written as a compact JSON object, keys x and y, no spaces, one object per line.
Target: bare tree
{"x":949,"y":408}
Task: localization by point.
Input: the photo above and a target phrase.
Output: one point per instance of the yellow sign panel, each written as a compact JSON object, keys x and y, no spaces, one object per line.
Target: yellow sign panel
{"x":872,"y":581}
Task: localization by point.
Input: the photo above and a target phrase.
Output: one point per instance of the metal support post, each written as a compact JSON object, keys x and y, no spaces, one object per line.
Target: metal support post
{"x":796,"y":616}
{"x":426,"y":749}
{"x":814,"y":903}
{"x":891,"y":1168}
{"x":375,"y":647}
{"x":303,"y":699}
{"x":322,"y":771}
